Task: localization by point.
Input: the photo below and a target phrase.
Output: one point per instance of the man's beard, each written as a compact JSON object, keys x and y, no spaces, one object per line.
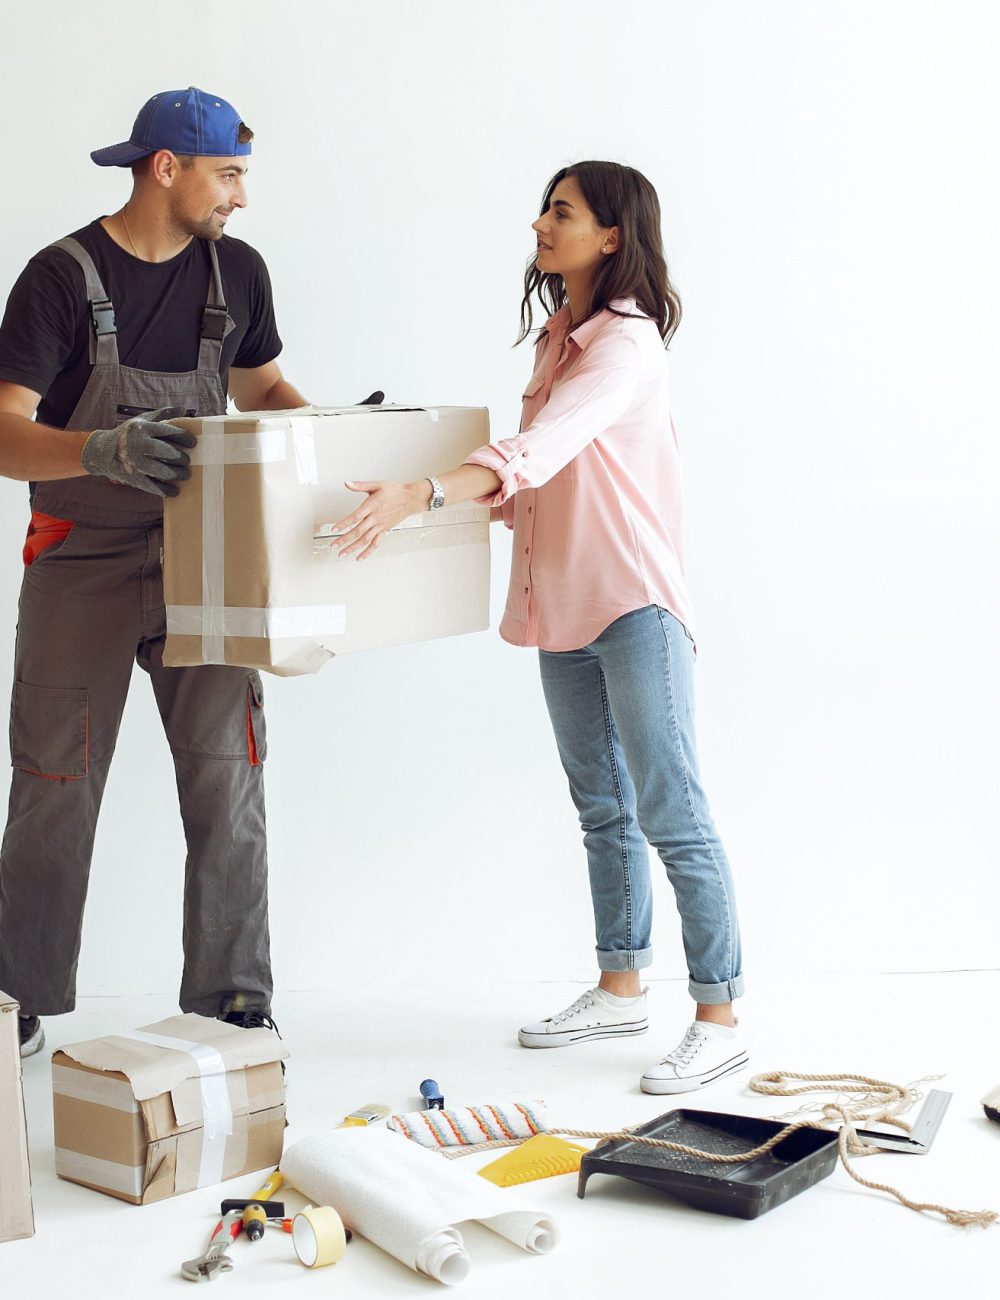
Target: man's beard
{"x":186,"y":227}
{"x":209,"y":229}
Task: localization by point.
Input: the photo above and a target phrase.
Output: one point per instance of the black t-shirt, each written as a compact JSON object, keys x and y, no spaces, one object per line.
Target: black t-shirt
{"x":45,"y":335}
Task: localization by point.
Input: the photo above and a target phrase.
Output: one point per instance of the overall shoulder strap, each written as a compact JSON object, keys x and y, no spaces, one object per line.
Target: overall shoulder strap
{"x":215,"y":323}
{"x":103,"y":336}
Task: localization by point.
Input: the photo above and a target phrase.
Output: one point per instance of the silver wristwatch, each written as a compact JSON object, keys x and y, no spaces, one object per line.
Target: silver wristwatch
{"x":437,"y":494}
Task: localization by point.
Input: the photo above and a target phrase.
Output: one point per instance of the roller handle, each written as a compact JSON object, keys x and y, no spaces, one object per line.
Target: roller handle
{"x":431,"y":1093}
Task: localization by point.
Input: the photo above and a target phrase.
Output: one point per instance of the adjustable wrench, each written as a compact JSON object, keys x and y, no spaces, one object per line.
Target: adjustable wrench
{"x":207,"y":1267}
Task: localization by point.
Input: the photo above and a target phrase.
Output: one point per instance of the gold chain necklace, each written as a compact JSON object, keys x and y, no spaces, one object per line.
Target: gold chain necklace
{"x":128,"y":232}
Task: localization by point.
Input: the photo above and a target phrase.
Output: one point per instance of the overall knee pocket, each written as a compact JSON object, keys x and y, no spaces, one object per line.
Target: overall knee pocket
{"x":49,"y":731}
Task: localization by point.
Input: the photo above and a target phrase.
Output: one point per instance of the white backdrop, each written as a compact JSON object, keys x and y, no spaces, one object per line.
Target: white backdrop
{"x":828,"y":179}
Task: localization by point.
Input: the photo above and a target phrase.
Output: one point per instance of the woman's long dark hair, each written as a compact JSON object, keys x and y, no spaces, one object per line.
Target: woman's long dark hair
{"x":618,"y":196}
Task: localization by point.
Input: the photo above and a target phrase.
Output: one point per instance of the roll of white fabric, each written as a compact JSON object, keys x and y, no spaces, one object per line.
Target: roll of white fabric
{"x":408,"y":1201}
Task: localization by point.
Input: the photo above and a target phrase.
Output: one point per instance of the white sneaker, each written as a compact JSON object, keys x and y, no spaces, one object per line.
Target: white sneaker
{"x":591,"y":1016}
{"x":706,"y":1053}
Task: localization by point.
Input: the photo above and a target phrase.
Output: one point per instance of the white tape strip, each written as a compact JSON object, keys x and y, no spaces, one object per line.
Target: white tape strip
{"x":214,"y":1097}
{"x":304,"y":448}
{"x":80,"y":1085}
{"x":213,"y":529}
{"x":215,"y":622}
{"x":447,"y":516}
{"x":262,"y":447}
{"x":270,"y":622}
{"x":124,"y":1179}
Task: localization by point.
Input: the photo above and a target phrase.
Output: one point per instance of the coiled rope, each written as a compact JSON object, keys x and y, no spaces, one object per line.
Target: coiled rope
{"x":876,"y":1101}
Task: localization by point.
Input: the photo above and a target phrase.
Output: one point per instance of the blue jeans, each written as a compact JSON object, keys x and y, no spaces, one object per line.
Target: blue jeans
{"x":622,"y":709}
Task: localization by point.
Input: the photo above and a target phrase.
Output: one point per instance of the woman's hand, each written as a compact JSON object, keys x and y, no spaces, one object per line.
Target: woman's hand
{"x":385,"y":506}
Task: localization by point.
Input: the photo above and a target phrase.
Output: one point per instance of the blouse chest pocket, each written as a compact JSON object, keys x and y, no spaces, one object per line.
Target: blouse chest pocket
{"x":535,"y":385}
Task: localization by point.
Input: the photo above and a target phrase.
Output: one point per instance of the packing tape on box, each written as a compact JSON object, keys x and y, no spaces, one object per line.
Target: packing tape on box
{"x":261,"y":447}
{"x":115,"y":1094}
{"x":215,"y":450}
{"x":271,"y":621}
{"x":465,"y":512}
{"x":218,"y":1113}
{"x":126,"y":1180}
{"x":304,"y":451}
{"x":318,"y":1236}
{"x":461,"y":525}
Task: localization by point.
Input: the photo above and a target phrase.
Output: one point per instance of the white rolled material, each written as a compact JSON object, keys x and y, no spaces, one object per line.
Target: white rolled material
{"x":408,"y":1201}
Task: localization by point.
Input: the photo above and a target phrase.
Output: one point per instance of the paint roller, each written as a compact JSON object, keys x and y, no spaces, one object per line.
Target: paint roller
{"x":470,"y":1125}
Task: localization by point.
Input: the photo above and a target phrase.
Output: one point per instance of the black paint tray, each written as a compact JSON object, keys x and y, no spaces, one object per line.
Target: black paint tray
{"x":743,"y":1190}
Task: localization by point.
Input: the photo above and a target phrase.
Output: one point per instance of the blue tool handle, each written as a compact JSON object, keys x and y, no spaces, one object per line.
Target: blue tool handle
{"x":431,"y":1094}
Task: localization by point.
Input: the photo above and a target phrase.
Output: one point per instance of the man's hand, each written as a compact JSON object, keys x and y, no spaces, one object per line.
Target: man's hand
{"x":142,"y":453}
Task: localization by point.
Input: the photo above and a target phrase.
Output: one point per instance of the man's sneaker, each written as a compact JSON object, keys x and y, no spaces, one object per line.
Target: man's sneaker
{"x":32,"y":1034}
{"x":706,"y":1053}
{"x":253,"y":1018}
{"x":591,"y":1016}
{"x":236,"y":1011}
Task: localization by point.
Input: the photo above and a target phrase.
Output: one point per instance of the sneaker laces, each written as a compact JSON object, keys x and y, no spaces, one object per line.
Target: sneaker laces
{"x":253,"y":1018}
{"x":583,"y":1003}
{"x":688,"y":1048}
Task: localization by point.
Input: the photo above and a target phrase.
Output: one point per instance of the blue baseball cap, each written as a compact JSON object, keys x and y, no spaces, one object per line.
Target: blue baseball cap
{"x":185,"y":122}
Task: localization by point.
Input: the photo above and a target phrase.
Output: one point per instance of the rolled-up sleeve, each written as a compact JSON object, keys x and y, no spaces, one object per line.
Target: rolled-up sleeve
{"x":593,"y":398}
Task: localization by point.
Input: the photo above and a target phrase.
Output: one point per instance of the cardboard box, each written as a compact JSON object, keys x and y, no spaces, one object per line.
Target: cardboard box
{"x":249,"y":573}
{"x":16,"y":1217}
{"x":184,"y":1103}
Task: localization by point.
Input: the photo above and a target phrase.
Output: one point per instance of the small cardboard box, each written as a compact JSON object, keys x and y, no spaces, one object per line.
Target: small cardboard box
{"x":250,"y":576}
{"x":185,"y":1103}
{"x":16,"y":1218}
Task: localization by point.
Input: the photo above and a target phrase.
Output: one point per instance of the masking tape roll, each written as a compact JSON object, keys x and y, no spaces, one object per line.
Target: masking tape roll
{"x":318,"y":1236}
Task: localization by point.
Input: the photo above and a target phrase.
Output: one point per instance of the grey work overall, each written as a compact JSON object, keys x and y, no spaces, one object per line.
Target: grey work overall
{"x":89,"y":608}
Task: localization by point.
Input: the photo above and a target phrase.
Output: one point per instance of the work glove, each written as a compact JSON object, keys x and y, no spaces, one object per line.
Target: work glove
{"x":143,"y":452}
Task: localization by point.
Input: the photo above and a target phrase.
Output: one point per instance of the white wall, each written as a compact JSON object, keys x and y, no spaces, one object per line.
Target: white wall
{"x":830,"y":191}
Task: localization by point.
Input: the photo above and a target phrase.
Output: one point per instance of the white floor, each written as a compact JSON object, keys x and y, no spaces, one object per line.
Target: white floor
{"x":376,"y":1042}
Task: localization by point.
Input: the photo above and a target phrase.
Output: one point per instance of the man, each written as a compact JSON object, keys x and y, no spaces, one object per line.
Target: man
{"x":153,"y":307}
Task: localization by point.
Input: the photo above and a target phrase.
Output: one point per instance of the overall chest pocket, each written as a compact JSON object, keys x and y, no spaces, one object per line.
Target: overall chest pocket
{"x":132,"y":412}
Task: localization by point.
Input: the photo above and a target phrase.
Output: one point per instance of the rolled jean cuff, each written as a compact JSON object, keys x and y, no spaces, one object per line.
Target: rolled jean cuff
{"x":710,"y":995}
{"x":625,"y":959}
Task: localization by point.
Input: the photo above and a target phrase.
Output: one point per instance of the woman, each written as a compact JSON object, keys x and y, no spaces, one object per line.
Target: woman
{"x":591,"y":488}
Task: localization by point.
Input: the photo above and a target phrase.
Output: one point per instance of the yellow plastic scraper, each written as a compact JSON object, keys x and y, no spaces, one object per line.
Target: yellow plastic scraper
{"x":542,"y":1156}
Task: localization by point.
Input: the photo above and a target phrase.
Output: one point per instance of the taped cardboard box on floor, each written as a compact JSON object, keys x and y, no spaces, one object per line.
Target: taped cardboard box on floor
{"x":153,"y":1112}
{"x":250,"y":577}
{"x":16,"y":1217}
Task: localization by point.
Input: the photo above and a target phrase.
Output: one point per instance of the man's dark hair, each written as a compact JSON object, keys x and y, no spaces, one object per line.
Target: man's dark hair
{"x":243,"y":136}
